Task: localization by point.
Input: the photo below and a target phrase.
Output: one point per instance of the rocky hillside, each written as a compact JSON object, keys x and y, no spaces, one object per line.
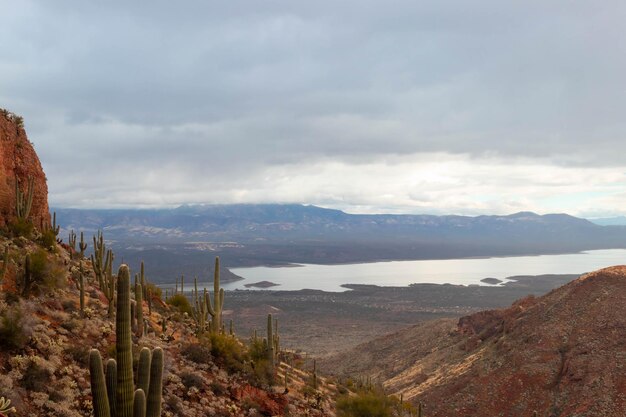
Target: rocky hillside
{"x":562,"y":354}
{"x":45,"y":342}
{"x":18,"y":160}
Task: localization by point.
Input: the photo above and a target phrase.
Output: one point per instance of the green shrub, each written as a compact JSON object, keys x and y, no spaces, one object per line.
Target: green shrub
{"x":12,"y":331}
{"x":36,"y":378}
{"x":217,"y":388}
{"x":190,"y":379}
{"x":259,"y":372}
{"x":154,"y":290}
{"x":22,"y":227}
{"x":366,"y":404}
{"x":197,"y":353}
{"x":45,"y":272}
{"x":79,"y":353}
{"x":181,"y":303}
{"x":228,"y":352}
{"x":48,"y":239}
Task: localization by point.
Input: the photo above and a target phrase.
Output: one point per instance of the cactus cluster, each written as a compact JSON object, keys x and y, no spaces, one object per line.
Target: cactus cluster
{"x":102,"y":263}
{"x":5,"y":407}
{"x":115,"y":394}
{"x":45,"y":227}
{"x":203,"y":307}
{"x":24,"y":200}
{"x":71,"y":241}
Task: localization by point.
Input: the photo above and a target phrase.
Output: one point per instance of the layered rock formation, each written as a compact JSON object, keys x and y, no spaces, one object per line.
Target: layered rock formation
{"x":19,"y":160}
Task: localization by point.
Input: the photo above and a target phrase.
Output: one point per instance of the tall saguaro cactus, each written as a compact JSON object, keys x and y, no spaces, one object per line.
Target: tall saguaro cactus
{"x":215,"y":308}
{"x":81,"y":287}
{"x":82,"y":245}
{"x":139,"y":310}
{"x":24,"y":201}
{"x":123,"y":346}
{"x":270,"y":342}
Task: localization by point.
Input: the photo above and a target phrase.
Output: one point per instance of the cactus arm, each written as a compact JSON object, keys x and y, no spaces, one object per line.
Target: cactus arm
{"x":98,"y":387}
{"x":111,"y":381}
{"x":156,"y":384}
{"x":139,"y":403}
{"x":143,"y":370}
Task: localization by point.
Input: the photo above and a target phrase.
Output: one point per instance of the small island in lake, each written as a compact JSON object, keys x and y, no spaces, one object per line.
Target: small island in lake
{"x":492,"y":281}
{"x":261,"y":284}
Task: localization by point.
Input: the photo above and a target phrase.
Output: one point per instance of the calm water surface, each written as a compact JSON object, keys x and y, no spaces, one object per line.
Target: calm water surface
{"x":403,"y":273}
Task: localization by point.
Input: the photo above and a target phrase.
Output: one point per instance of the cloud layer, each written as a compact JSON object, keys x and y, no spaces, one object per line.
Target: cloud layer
{"x":433,"y":106}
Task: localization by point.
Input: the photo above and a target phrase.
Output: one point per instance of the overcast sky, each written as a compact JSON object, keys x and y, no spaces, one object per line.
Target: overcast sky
{"x":432,"y":106}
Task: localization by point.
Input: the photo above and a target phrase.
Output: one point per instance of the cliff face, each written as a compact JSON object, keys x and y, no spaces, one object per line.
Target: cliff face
{"x":19,"y":160}
{"x":561,"y":355}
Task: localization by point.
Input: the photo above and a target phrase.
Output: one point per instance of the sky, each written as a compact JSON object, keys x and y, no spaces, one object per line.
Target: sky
{"x":402,"y":106}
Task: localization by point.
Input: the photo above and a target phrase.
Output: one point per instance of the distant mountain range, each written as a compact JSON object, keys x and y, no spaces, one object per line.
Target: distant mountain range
{"x":273,"y":234}
{"x":610,"y":221}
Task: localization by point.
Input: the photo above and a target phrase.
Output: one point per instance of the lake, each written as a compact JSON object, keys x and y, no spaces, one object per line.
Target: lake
{"x":403,"y":273}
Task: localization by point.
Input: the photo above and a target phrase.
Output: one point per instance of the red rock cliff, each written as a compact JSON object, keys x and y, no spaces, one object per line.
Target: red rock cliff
{"x":18,"y":159}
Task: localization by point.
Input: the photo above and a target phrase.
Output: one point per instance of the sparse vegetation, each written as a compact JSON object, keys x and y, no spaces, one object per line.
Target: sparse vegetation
{"x":366,"y":403}
{"x":181,"y":303}
{"x":12,"y":330}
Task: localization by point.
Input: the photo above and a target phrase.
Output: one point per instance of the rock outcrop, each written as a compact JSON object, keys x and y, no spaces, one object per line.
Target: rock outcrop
{"x":18,"y":159}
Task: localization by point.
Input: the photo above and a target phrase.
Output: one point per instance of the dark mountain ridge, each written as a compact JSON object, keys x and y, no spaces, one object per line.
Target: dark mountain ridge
{"x":278,"y":234}
{"x":276,"y":222}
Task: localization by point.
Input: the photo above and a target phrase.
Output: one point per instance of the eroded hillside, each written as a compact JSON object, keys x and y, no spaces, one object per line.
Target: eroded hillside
{"x":561,"y":354}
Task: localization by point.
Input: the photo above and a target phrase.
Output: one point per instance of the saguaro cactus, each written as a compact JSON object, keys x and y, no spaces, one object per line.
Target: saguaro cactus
{"x":81,"y":281}
{"x":82,"y":246}
{"x":27,"y":280}
{"x":270,"y":343}
{"x":24,"y":201}
{"x":125,"y":390}
{"x":215,"y":309}
{"x":139,"y":310}
{"x":71,"y":241}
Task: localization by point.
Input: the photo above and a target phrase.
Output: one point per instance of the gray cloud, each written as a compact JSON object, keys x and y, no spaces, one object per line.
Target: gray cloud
{"x":223,"y":94}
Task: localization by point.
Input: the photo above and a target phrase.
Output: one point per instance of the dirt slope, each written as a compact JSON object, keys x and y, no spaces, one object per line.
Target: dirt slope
{"x":563,"y":354}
